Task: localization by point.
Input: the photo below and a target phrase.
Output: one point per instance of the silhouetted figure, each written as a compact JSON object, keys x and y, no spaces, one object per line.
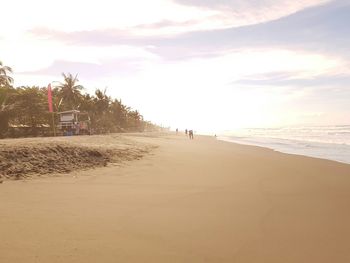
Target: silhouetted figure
{"x":190,"y":134}
{"x":177,"y":131}
{"x":186,"y":131}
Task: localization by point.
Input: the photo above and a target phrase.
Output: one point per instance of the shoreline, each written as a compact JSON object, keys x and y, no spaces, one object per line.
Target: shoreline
{"x":200,"y":200}
{"x":287,"y":149}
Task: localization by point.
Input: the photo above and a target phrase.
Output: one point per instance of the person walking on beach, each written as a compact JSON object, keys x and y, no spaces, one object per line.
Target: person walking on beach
{"x":190,"y":134}
{"x":177,"y":131}
{"x":186,"y":131}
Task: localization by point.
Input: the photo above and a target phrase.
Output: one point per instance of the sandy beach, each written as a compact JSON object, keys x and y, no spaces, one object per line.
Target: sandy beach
{"x":170,"y":199}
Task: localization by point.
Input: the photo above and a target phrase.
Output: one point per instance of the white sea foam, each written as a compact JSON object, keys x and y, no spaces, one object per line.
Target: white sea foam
{"x":327,"y":142}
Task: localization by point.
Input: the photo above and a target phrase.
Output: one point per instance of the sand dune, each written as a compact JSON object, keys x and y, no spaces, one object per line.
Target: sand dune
{"x":24,"y":158}
{"x":187,"y":201}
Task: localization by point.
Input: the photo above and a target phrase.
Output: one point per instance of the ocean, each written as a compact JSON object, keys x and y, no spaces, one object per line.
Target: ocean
{"x":326,"y":142}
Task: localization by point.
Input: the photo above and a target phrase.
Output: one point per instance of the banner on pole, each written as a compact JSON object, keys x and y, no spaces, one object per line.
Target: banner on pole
{"x":49,"y":97}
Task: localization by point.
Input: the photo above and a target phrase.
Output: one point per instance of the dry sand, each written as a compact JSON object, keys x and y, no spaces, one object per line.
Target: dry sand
{"x":187,"y":201}
{"x":31,"y":157}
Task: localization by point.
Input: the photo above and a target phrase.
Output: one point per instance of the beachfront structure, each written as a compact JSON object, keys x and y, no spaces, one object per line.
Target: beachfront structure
{"x":73,"y":122}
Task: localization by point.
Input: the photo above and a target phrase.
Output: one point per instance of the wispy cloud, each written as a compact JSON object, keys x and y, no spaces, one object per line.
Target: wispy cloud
{"x":241,"y":12}
{"x":324,"y":28}
{"x":91,"y":71}
{"x":167,"y":24}
{"x":250,"y":5}
{"x":291,"y":79}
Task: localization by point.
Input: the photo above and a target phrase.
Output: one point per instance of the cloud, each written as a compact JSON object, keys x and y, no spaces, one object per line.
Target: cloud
{"x":166,"y":24}
{"x":240,"y":4}
{"x":292,"y":79}
{"x":242,"y":12}
{"x":323,"y":28}
{"x":174,"y":16}
{"x":79,"y":15}
{"x":105,"y":37}
{"x":90,"y":71}
{"x":39,"y":53}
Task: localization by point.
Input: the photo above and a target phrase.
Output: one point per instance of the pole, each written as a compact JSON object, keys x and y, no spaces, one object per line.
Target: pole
{"x":53,"y":124}
{"x":49,"y":100}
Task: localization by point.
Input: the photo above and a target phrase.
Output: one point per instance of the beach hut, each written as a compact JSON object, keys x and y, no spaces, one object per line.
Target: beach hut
{"x":74,"y":122}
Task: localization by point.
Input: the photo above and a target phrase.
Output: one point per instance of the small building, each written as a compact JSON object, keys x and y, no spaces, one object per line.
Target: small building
{"x":74,"y":122}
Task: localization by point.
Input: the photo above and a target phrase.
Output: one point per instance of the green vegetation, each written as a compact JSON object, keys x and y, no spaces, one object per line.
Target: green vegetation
{"x":24,"y":110}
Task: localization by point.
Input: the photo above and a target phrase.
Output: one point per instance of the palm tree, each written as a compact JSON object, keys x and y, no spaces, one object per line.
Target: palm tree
{"x":4,"y":78}
{"x":70,"y":91}
{"x":102,"y":101}
{"x":7,"y":104}
{"x":135,"y":120}
{"x":102,"y":112}
{"x":31,"y":106}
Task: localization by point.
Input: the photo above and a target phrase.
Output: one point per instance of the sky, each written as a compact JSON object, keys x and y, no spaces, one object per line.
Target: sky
{"x":207,"y":65}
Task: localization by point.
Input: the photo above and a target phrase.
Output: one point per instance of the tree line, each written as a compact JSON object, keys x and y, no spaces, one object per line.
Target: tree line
{"x":24,"y":110}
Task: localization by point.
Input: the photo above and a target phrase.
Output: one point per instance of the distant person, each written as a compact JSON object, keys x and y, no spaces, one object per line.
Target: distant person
{"x":177,"y":131}
{"x":190,"y":134}
{"x":186,"y":131}
{"x":77,"y":128}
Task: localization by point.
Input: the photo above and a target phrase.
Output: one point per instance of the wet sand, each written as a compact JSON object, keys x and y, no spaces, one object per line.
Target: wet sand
{"x":198,"y":200}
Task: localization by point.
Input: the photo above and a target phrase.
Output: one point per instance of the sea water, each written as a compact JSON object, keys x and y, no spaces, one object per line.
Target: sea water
{"x":327,"y":142}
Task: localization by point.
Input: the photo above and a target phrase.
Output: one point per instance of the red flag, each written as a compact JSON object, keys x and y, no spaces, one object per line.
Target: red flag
{"x":49,"y":97}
